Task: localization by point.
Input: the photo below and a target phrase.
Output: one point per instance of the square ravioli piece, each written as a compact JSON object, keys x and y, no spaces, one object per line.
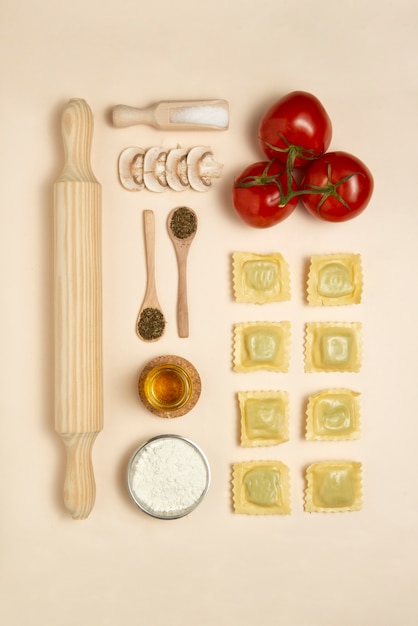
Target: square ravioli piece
{"x":335,"y":279}
{"x":264,"y":418}
{"x":260,"y":278}
{"x":262,"y":346}
{"x":333,"y":347}
{"x":333,"y":486}
{"x":261,"y":488}
{"x":333,"y":415}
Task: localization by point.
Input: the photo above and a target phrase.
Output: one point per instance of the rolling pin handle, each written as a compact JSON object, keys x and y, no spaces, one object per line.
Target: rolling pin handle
{"x":79,"y":483}
{"x":77,"y":133}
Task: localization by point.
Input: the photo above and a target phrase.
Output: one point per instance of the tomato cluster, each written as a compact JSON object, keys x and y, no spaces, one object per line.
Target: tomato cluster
{"x":295,"y":134}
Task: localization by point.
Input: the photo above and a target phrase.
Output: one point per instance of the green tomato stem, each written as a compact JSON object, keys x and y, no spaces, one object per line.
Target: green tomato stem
{"x":293,"y":152}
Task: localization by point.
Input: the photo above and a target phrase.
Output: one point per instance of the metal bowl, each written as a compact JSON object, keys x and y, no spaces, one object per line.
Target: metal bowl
{"x":168,"y":476}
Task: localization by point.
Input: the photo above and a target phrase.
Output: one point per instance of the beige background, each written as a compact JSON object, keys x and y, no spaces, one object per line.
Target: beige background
{"x":212,"y":568}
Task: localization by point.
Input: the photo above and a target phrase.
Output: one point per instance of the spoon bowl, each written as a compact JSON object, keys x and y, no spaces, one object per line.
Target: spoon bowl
{"x":182,"y":227}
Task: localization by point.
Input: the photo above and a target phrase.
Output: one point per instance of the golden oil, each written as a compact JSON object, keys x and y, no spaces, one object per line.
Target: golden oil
{"x":168,"y":387}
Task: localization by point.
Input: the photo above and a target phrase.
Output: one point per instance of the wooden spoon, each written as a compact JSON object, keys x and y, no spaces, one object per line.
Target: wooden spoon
{"x":150,"y":323}
{"x":182,"y":226}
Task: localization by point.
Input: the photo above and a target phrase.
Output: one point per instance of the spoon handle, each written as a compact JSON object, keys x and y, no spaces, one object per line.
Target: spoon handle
{"x":149,"y":234}
{"x":182,"y":305}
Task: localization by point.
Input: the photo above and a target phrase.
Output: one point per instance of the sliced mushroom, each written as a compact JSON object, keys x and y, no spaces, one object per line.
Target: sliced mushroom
{"x":131,"y":169}
{"x":154,"y":169}
{"x":202,"y":168}
{"x":158,"y":170}
{"x":176,"y":169}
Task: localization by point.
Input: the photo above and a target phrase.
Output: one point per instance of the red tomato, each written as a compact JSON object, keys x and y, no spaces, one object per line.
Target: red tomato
{"x":297,"y":125}
{"x":257,"y":194}
{"x":341,"y":187}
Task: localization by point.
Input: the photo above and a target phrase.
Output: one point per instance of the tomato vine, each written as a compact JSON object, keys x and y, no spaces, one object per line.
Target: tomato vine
{"x":295,"y":134}
{"x":328,"y":190}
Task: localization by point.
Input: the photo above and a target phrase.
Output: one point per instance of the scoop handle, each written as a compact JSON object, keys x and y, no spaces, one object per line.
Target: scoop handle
{"x":124,"y":116}
{"x":78,"y":308}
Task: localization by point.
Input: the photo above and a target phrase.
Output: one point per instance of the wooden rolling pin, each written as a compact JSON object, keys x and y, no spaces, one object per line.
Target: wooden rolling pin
{"x":78,"y":308}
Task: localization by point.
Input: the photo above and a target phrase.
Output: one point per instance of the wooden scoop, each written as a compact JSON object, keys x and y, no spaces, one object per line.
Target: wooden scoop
{"x":175,"y":115}
{"x":182,"y":226}
{"x":78,"y":308}
{"x":150,"y":324}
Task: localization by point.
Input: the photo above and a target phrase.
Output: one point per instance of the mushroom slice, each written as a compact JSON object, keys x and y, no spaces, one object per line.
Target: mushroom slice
{"x":154,"y":169}
{"x":202,"y":168}
{"x":176,"y":169}
{"x":131,"y":169}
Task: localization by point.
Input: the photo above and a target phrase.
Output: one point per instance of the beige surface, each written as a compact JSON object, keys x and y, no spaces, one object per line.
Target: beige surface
{"x":212,"y":568}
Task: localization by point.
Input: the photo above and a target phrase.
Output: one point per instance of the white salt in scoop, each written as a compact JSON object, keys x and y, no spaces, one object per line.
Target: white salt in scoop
{"x":168,"y":476}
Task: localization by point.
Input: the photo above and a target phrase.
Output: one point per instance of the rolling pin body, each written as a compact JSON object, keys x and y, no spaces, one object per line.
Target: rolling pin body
{"x":78,"y":308}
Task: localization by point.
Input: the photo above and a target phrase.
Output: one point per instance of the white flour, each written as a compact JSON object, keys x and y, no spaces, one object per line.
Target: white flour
{"x":168,"y":476}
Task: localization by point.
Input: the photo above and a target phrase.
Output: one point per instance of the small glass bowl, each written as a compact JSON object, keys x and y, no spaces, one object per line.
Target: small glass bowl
{"x":168,"y":476}
{"x":169,"y":386}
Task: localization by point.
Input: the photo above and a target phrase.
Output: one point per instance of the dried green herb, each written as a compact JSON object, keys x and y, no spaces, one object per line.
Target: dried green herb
{"x":183,"y":222}
{"x":151,"y":324}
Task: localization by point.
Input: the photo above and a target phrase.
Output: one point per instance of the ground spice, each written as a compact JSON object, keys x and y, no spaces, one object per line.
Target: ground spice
{"x":183,"y":222}
{"x":151,"y":324}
